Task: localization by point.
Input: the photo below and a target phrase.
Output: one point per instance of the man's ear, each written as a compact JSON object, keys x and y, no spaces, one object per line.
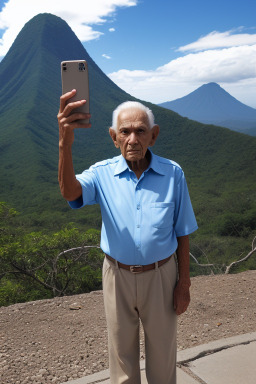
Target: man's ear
{"x":154,"y":132}
{"x":112,"y":133}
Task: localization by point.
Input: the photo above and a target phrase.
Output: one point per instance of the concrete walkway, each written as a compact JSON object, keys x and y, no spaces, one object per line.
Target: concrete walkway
{"x":226,"y":361}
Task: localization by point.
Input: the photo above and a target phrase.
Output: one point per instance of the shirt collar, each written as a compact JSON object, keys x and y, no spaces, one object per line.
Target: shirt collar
{"x":154,"y":165}
{"x":121,"y":166}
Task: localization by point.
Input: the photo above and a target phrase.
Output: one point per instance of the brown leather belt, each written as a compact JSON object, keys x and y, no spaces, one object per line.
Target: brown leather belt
{"x":138,"y":268}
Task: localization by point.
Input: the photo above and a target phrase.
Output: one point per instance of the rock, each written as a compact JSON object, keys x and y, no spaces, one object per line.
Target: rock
{"x":42,"y":371}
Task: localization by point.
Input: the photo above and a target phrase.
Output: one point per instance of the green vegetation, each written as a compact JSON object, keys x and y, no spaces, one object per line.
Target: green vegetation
{"x":220,"y":165}
{"x":37,"y":265}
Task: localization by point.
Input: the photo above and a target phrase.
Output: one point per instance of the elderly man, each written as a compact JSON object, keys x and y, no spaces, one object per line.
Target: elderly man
{"x":146,"y":217}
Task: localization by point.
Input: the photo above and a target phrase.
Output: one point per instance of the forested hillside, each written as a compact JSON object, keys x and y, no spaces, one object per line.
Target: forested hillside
{"x":220,"y":165}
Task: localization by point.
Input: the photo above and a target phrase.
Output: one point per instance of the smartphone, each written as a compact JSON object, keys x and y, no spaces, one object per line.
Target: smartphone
{"x":74,"y":75}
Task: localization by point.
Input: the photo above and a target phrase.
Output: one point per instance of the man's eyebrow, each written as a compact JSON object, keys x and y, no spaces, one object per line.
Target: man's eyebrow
{"x":132,"y":128}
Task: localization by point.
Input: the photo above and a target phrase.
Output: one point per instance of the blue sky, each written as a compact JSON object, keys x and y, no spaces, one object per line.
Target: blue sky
{"x":157,"y":50}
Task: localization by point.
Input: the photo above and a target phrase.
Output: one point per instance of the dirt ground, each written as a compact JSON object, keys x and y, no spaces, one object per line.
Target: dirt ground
{"x":53,"y":341}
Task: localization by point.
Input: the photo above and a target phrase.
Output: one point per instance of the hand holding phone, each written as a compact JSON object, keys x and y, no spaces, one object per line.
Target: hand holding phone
{"x":74,"y":75}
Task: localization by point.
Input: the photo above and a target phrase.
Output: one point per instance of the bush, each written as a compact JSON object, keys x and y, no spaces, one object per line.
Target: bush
{"x":238,"y":225}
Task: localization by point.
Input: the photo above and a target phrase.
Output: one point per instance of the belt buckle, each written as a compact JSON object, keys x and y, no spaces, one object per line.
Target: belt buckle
{"x":134,"y":268}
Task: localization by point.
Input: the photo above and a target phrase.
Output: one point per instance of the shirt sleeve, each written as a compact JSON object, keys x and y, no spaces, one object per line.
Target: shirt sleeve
{"x":87,"y":179}
{"x":184,"y":217}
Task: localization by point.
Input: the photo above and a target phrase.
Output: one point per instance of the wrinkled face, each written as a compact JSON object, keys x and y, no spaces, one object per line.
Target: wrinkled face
{"x":133,"y":135}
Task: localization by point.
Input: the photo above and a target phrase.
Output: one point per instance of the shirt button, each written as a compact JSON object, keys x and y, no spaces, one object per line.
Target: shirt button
{"x":138,"y":226}
{"x":138,"y":206}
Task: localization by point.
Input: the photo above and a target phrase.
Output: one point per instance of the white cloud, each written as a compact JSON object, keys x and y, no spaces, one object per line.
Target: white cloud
{"x":80,"y":15}
{"x":229,"y":66}
{"x":220,"y":40}
{"x":106,"y":56}
{"x":111,"y":29}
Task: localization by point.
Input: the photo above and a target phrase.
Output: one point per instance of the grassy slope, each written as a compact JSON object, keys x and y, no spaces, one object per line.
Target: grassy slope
{"x":220,"y":165}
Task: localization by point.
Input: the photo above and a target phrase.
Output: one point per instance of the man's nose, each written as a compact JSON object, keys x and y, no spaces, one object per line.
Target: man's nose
{"x":132,"y":138}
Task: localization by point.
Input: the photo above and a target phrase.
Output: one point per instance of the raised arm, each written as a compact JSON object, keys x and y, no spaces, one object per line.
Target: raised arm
{"x":70,"y":187}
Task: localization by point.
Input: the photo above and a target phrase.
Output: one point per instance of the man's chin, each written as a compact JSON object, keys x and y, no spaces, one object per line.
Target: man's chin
{"x":133,"y":156}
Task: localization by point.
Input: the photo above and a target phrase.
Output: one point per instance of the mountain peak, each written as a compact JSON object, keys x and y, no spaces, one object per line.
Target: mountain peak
{"x":30,"y":81}
{"x":30,"y":78}
{"x":212,"y":85}
{"x":211,"y":104}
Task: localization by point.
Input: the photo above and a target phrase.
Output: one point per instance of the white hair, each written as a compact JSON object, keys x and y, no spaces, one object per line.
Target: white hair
{"x":132,"y":105}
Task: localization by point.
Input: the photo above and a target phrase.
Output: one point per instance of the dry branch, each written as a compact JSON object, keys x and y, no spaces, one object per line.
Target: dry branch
{"x":200,"y":265}
{"x":244,"y":258}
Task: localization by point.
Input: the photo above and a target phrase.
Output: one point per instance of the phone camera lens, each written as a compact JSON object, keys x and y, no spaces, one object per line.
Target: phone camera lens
{"x":81,"y":67}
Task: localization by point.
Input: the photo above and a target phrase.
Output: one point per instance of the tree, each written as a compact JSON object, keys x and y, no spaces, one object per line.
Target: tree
{"x":47,"y":265}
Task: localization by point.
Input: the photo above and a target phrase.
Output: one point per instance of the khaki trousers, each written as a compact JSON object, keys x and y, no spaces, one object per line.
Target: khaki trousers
{"x":148,"y":296}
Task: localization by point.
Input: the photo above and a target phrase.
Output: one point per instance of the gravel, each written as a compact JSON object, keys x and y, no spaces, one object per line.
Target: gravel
{"x":53,"y":341}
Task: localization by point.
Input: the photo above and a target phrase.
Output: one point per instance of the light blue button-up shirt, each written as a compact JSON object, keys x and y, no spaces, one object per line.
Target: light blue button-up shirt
{"x":141,"y":219}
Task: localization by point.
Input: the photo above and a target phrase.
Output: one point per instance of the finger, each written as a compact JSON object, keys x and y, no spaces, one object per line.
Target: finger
{"x":74,"y":117}
{"x":69,"y":108}
{"x":81,"y":125}
{"x":176,"y":306}
{"x":64,"y":98}
{"x":77,"y":124}
{"x":174,"y":302}
{"x":181,"y":308}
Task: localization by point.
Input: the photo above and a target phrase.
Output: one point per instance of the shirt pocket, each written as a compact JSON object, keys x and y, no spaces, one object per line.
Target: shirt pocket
{"x":162,"y":214}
